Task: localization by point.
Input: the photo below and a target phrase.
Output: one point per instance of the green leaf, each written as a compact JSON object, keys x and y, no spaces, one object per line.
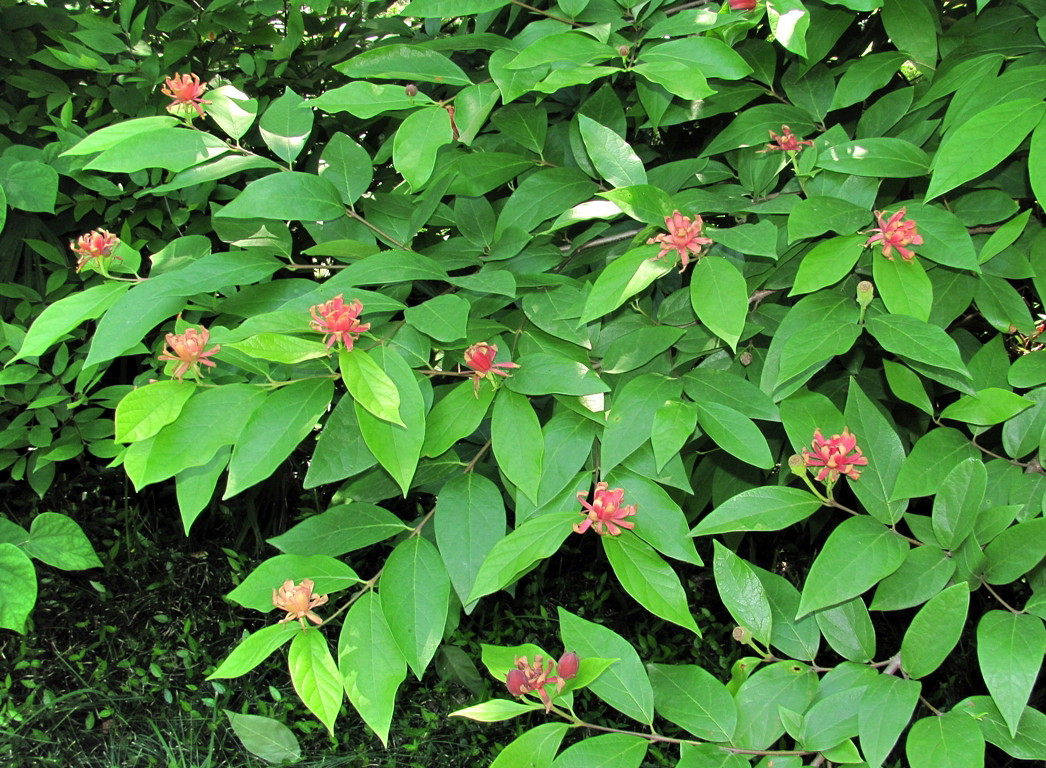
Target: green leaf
{"x":621,"y":279}
{"x":814,"y":216}
{"x":719,"y":295}
{"x":404,"y":62}
{"x":515,"y":435}
{"x":279,"y":348}
{"x":608,"y":750}
{"x":727,"y":388}
{"x":571,"y":47}
{"x":287,"y":195}
{"x":882,"y":447}
{"x":876,"y":156}
{"x":827,"y":263}
{"x":625,"y":685}
{"x":831,"y":720}
{"x":62,"y":316}
{"x":17,"y":587}
{"x":1030,"y":743}
{"x":919,"y":341}
{"x":342,"y":528}
{"x":327,"y":574}
{"x":631,"y":416}
{"x":648,"y":578}
{"x":690,"y":697}
{"x":906,"y":386}
{"x":800,"y":638}
{"x":366,"y":100}
{"x":858,"y":553}
{"x":789,"y":22}
{"x":987,"y":407}
{"x":111,"y":135}
{"x":742,"y":593}
{"x":415,"y":595}
{"x":254,"y":649}
{"x":903,"y":286}
{"x":676,"y":77}
{"x":370,"y":663}
{"x":470,"y":519}
{"x":643,"y":202}
{"x":925,"y":572}
{"x":173,"y":149}
{"x":734,"y":433}
{"x":456,"y":416}
{"x":958,"y":502}
{"x":819,"y":327}
{"x":885,"y":711}
{"x":496,"y":710}
{"x":369,"y":385}
{"x":145,"y":411}
{"x":996,"y":132}
{"x":1015,"y":551}
{"x":444,"y":318}
{"x":613,"y":158}
{"x":543,"y":194}
{"x":935,"y":630}
{"x":932,"y":457}
{"x":945,"y":238}
{"x":232,"y":110}
{"x":285,"y":127}
{"x":537,"y":538}
{"x":912,"y":28}
{"x":274,"y":430}
{"x":1037,"y":162}
{"x":60,"y":542}
{"x":397,"y":448}
{"x":659,"y":521}
{"x":535,"y":748}
{"x":758,"y":239}
{"x":1010,"y":649}
{"x":759,"y":509}
{"x":417,"y":140}
{"x":848,"y":630}
{"x":784,"y":684}
{"x":347,"y":166}
{"x":265,"y":737}
{"x":945,"y":741}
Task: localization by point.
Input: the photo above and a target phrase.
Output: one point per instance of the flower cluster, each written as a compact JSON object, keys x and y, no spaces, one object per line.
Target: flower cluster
{"x":895,"y":232}
{"x":605,"y":509}
{"x":838,"y":455}
{"x":530,"y":677}
{"x":786,"y":142}
{"x":684,"y":237}
{"x":339,"y":321}
{"x":188,"y":350}
{"x":298,"y":601}
{"x":480,"y":359}
{"x":96,"y":246}
{"x":185,"y":92}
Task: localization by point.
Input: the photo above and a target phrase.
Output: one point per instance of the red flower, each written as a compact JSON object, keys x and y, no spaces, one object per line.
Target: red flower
{"x":338,"y":320}
{"x":684,"y":237}
{"x":741,"y":5}
{"x":96,"y":245}
{"x":187,"y":349}
{"x":480,"y":358}
{"x":530,"y":677}
{"x":895,"y":232}
{"x":605,"y":509}
{"x":838,"y":455}
{"x":786,"y":142}
{"x":185,"y":92}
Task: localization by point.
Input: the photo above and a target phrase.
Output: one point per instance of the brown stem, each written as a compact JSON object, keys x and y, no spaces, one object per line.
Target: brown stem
{"x":377,"y":230}
{"x":472,"y":464}
{"x":996,"y":595}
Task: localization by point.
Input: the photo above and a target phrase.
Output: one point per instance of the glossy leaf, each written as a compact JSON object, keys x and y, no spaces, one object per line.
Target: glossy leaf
{"x":265,"y":737}
{"x":340,"y":529}
{"x":759,"y":509}
{"x":415,"y":595}
{"x":327,"y":574}
{"x":254,"y":649}
{"x":516,"y":438}
{"x":1010,"y":650}
{"x":16,"y":604}
{"x":470,"y":519}
{"x":945,"y":741}
{"x":693,"y":699}
{"x":534,"y":540}
{"x":648,"y":578}
{"x":60,"y":542}
{"x":934,"y":631}
{"x":742,"y":593}
{"x":315,"y":676}
{"x":720,"y":298}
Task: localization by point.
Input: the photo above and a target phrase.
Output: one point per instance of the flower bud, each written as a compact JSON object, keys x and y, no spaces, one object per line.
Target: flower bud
{"x":741,"y":5}
{"x":865,"y":293}
{"x":516,"y":682}
{"x":622,"y":51}
{"x":797,"y":465}
{"x":411,"y":90}
{"x":745,"y":358}
{"x":742,"y":635}
{"x":567,"y":666}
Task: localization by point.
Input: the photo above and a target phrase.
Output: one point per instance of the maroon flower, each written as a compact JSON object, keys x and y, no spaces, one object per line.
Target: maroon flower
{"x":741,"y":5}
{"x":895,"y":232}
{"x":185,"y":92}
{"x":97,"y":246}
{"x":684,"y":237}
{"x":532,"y":677}
{"x":786,"y":142}
{"x":605,"y":509}
{"x":838,"y":455}
{"x":339,"y":321}
{"x":567,"y":665}
{"x":480,"y":358}
{"x":187,"y":349}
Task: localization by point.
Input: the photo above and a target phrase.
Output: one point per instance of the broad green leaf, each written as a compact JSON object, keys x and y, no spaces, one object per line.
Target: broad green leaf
{"x":907,"y":386}
{"x":417,"y":140}
{"x":847,"y":628}
{"x":279,"y":348}
{"x":648,"y":578}
{"x":613,"y":158}
{"x":537,"y":538}
{"x":934,"y":631}
{"x":742,"y":593}
{"x":608,"y":750}
{"x":535,"y":748}
{"x":544,"y":194}
{"x":173,"y":149}
{"x":877,"y":156}
{"x":643,"y":202}
{"x":340,"y":529}
{"x":286,"y":195}
{"x":397,"y":448}
{"x":515,"y":435}
{"x":827,"y":262}
{"x":727,"y":388}
{"x":886,"y":709}
{"x":945,"y":741}
{"x":571,"y":47}
{"x":31,"y":186}
{"x":404,"y":62}
{"x":265,"y":737}
{"x":758,"y":239}
{"x":719,"y":295}
{"x":621,"y":279}
{"x":455,"y":416}
{"x":759,"y":509}
{"x":734,"y":433}
{"x":347,"y":166}
{"x":327,"y":574}
{"x":789,"y":23}
{"x":59,"y":541}
{"x":1015,"y":551}
{"x":631,"y":416}
{"x":369,"y":385}
{"x":945,"y":238}
{"x":882,"y":447}
{"x":415,"y":595}
{"x":690,"y":697}
{"x":996,"y":132}
{"x":496,"y":710}
{"x":912,"y":29}
{"x":285,"y":126}
{"x":865,"y":75}
{"x":903,"y":286}
{"x":338,"y":453}
{"x":659,"y":521}
{"x":194,"y":486}
{"x":958,"y":501}
{"x":366,"y":100}
{"x":274,"y":430}
{"x":707,"y":55}
{"x":232,"y":110}
{"x":675,"y":77}
{"x":1037,"y":162}
{"x":1010,"y":649}
{"x":254,"y":649}
{"x":18,"y":594}
{"x":858,"y":554}
{"x":444,"y":318}
{"x":111,"y":135}
{"x":819,"y":327}
{"x":469,"y":519}
{"x":638,"y":347}
{"x":799,"y":639}
{"x":816,"y":215}
{"x":543,"y":374}
{"x":784,"y":684}
{"x":1002,"y":306}
{"x":370,"y":663}
{"x":831,"y":720}
{"x":224,"y":166}
{"x":145,"y":411}
{"x":625,"y":685}
{"x":919,"y":341}
{"x":932,"y":457}
{"x":925,"y":572}
{"x":62,"y":316}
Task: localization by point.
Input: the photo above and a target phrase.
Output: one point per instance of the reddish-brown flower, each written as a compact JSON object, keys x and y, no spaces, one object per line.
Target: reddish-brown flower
{"x":895,"y":232}
{"x":339,"y":321}
{"x":187,"y":349}
{"x":97,"y":246}
{"x":838,"y":455}
{"x":185,"y":92}
{"x":684,"y":237}
{"x":532,"y":677}
{"x":480,"y":358}
{"x":605,"y":509}
{"x":298,"y":602}
{"x":741,"y":5}
{"x":786,"y":142}
{"x":567,"y":665}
